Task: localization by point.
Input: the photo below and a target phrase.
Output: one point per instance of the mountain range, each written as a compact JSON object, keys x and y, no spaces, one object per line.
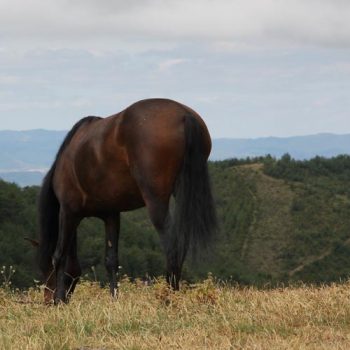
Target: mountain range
{"x":25,"y":156}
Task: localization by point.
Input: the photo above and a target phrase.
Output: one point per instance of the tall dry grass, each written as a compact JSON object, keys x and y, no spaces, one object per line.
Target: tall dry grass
{"x":202,"y":317}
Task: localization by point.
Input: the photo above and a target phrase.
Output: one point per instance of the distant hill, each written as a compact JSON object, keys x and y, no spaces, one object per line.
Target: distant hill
{"x":28,"y":150}
{"x":23,"y":178}
{"x":299,"y":147}
{"x":25,"y":156}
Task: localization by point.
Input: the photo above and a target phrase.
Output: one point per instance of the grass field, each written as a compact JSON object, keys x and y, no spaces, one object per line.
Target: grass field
{"x":205,"y":316}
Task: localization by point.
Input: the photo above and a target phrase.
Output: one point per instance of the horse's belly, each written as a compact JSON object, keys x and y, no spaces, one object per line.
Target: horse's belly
{"x":113,"y":194}
{"x":119,"y":204}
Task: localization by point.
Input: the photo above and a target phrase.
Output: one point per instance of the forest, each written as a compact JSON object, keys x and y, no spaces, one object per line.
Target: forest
{"x":281,"y":221}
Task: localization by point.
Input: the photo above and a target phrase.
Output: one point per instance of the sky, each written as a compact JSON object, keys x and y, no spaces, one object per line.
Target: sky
{"x":250,"y":68}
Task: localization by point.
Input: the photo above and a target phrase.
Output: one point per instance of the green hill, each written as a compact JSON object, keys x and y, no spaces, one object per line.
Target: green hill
{"x":280,"y":220}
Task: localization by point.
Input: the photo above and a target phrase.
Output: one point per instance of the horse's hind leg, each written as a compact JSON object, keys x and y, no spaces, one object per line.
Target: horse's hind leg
{"x":160,"y":216}
{"x":112,"y":226}
{"x":175,"y":260}
{"x":67,"y":231}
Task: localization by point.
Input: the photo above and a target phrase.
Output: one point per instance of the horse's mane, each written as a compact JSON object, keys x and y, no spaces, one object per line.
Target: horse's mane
{"x":48,"y":205}
{"x":70,"y":135}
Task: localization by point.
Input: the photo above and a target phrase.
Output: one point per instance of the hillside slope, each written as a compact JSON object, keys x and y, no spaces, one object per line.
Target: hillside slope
{"x":271,"y":229}
{"x":276,"y":227}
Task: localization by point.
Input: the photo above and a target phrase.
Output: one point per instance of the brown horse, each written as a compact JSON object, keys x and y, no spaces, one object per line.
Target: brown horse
{"x":139,"y":157}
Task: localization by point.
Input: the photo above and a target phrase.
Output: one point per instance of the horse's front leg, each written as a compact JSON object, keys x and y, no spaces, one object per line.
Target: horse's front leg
{"x":72,"y":269}
{"x":112,"y":226}
{"x":67,"y":232}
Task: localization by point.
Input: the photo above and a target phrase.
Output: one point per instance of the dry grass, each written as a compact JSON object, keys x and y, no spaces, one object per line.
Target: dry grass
{"x":203,"y":317}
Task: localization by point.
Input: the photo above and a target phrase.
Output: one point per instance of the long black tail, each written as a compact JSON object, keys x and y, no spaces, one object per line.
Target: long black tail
{"x":194,"y":220}
{"x":48,"y":208}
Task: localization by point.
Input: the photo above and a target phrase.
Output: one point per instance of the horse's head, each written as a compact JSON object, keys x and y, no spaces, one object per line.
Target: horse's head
{"x":34,"y":242}
{"x":49,"y":277}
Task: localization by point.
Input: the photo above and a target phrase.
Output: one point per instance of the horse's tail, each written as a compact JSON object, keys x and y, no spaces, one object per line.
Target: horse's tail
{"x":48,"y":208}
{"x":194,"y":220}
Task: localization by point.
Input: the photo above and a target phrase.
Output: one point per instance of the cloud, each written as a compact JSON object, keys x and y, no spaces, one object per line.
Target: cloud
{"x":251,"y":68}
{"x":110,"y":24}
{"x":9,"y":80}
{"x":168,"y":64}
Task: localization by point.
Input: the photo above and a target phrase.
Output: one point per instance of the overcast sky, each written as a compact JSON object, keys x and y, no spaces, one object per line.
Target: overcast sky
{"x":250,"y":68}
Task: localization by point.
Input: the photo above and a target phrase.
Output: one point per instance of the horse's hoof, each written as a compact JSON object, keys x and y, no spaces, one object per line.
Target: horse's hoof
{"x":114,"y":293}
{"x":60,"y":301}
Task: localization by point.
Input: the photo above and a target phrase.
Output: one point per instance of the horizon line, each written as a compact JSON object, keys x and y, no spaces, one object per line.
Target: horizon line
{"x":213,"y":138}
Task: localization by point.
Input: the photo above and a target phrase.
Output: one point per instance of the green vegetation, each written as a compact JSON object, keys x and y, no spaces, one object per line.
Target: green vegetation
{"x":280,"y":221}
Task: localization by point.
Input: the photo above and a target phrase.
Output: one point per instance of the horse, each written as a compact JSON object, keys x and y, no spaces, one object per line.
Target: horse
{"x":148,"y":153}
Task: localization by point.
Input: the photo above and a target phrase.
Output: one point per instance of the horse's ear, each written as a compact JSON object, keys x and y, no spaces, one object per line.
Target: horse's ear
{"x":34,"y":242}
